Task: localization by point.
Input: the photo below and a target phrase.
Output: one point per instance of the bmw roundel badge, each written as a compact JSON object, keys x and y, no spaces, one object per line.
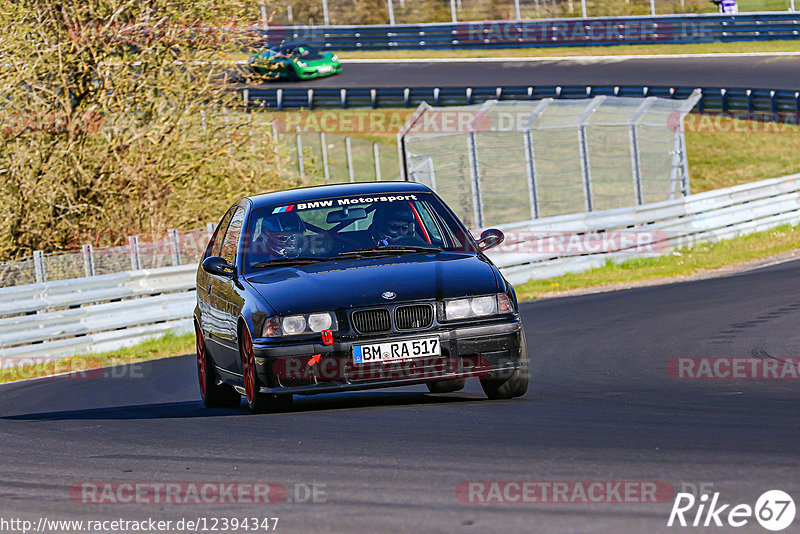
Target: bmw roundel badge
{"x":389,"y":295}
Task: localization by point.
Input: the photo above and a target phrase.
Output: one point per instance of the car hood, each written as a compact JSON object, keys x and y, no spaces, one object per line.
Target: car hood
{"x":356,"y":283}
{"x":324,"y":60}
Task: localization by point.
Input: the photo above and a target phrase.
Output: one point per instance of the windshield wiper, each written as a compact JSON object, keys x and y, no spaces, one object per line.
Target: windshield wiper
{"x":289,"y":261}
{"x":390,"y":249}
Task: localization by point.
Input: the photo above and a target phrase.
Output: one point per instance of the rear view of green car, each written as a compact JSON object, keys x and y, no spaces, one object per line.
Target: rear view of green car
{"x":294,"y":61}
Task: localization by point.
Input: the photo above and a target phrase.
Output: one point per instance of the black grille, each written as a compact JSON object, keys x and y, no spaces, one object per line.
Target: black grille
{"x":371,"y":321}
{"x":413,"y":317}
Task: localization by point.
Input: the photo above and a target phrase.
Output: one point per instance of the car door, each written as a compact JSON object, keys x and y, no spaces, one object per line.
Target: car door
{"x":229,"y":296}
{"x":212,"y":319}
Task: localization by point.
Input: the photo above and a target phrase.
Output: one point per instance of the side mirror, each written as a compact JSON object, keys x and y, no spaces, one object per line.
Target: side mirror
{"x":490,"y":238}
{"x":218,"y":266}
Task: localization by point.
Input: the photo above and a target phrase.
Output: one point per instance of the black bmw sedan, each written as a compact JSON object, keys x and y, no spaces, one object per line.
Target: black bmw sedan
{"x":348,"y":287}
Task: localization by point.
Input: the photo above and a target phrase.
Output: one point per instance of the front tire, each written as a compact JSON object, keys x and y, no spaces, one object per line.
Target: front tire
{"x":514,"y":385}
{"x":214,"y":395}
{"x":257,"y":401}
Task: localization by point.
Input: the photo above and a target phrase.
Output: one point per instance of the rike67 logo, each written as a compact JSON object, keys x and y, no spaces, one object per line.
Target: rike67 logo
{"x":774,"y":510}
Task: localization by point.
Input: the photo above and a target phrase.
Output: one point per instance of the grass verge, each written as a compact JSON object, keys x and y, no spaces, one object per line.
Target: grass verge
{"x":160,"y":347}
{"x":685,"y":262}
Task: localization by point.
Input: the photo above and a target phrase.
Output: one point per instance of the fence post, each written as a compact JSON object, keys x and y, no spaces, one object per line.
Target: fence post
{"x":583,"y":8}
{"x":530,"y":154}
{"x":88,"y":259}
{"x":586,"y":170}
{"x":300,"y":162}
{"x":376,"y":154}
{"x":174,"y":246}
{"x":653,"y":7}
{"x":633,"y":136}
{"x":475,"y":181}
{"x":264,"y":22}
{"x":38,"y":267}
{"x":324,"y":146}
{"x":432,"y":173}
{"x":453,"y":14}
{"x":530,"y":166}
{"x":246,"y":100}
{"x":516,"y":10}
{"x":349,"y":159}
{"x":391,"y":12}
{"x":133,"y":243}
{"x":210,"y":227}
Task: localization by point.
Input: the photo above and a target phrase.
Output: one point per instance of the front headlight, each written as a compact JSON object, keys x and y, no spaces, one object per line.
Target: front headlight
{"x":335,"y":57}
{"x":302,"y":63}
{"x":292,"y":325}
{"x":477,"y":307}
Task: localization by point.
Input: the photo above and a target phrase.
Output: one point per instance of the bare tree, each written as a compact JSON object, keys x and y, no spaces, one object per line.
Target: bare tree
{"x":118,"y":117}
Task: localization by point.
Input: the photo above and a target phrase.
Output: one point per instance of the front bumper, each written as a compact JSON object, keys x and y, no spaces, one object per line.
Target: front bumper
{"x":486,"y":350}
{"x":313,"y":72}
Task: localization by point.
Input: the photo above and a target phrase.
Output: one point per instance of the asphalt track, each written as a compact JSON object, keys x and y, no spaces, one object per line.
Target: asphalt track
{"x":755,"y":72}
{"x":601,"y":407}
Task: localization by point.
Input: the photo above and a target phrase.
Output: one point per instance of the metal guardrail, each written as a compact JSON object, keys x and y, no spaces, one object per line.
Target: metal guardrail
{"x":94,"y":314}
{"x":761,"y":103}
{"x":61,"y":318}
{"x":709,"y":216}
{"x":600,"y":31}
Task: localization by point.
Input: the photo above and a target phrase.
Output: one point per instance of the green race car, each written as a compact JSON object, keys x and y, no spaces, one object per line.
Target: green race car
{"x":294,"y":61}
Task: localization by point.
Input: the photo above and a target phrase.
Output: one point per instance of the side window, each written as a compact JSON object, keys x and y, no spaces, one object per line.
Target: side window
{"x":216,"y":240}
{"x":429,"y":222}
{"x":231,"y":241}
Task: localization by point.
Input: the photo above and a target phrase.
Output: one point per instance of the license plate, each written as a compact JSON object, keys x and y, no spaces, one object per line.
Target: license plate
{"x":397,"y":350}
{"x":324,"y":69}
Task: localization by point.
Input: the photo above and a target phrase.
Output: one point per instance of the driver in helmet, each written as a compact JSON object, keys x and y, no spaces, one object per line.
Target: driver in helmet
{"x":281,"y":236}
{"x":394,"y":224}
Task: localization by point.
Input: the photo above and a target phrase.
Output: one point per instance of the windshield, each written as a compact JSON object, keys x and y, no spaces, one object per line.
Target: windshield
{"x":346,"y":227}
{"x":307,"y":52}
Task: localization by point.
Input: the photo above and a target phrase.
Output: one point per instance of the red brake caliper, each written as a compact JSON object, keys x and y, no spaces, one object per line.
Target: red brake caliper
{"x":248,"y":366}
{"x":201,"y":361}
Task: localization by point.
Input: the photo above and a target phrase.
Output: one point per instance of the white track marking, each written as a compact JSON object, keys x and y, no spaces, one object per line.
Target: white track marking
{"x":581,"y":59}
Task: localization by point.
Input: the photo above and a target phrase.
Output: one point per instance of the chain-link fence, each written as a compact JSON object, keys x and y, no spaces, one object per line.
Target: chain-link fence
{"x":330,"y":158}
{"x":504,"y":161}
{"x":339,"y":12}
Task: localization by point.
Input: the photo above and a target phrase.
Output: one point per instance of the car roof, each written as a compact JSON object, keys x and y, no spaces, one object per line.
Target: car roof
{"x":336,"y":190}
